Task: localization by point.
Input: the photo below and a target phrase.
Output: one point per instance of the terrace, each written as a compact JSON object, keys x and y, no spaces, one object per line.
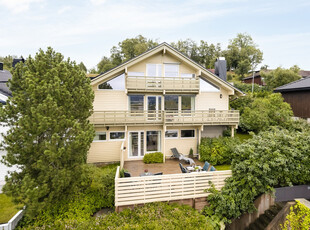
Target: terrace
{"x":172,"y":186}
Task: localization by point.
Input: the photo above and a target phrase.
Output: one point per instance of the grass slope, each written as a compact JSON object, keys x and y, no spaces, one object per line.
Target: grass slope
{"x":7,"y":208}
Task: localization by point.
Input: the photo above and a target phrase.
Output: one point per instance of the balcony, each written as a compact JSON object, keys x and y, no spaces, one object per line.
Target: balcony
{"x":206,"y":117}
{"x":161,"y":84}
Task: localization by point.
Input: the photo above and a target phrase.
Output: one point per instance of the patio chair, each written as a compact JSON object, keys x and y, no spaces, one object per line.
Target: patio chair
{"x":206,"y":166}
{"x":183,"y":170}
{"x":127,"y":174}
{"x":212,"y":168}
{"x":157,"y":174}
{"x":180,"y":156}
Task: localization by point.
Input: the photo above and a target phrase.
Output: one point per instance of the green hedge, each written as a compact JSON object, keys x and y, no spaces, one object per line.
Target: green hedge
{"x":274,"y":158}
{"x":151,"y":216}
{"x":217,"y":151}
{"x":157,"y":157}
{"x":96,"y":192}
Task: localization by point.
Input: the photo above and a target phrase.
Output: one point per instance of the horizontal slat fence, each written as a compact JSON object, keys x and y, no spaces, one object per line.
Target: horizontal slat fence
{"x":146,"y":189}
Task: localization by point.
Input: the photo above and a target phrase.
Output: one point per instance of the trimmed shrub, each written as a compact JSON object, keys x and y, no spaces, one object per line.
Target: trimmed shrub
{"x":217,"y":151}
{"x":150,"y":216}
{"x":274,"y":158}
{"x":157,"y":157}
{"x":191,"y":153}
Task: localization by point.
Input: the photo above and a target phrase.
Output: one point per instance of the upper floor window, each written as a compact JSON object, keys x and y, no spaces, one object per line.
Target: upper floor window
{"x":188,"y":103}
{"x":117,"y":83}
{"x":171,"y":70}
{"x":206,"y":86}
{"x":171,"y":102}
{"x":136,"y":102}
{"x":153,"y":70}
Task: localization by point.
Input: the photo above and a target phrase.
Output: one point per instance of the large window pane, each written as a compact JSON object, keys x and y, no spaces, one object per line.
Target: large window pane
{"x":153,"y":141}
{"x":100,"y":136}
{"x":171,"y":134}
{"x":171,"y":102}
{"x":187,"y":133}
{"x":188,"y":103}
{"x":171,"y":70}
{"x":117,"y":135}
{"x":117,"y":83}
{"x":153,"y":70}
{"x":136,"y":102}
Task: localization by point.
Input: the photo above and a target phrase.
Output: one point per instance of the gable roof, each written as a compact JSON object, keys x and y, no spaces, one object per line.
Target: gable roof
{"x":299,"y":85}
{"x":164,"y":47}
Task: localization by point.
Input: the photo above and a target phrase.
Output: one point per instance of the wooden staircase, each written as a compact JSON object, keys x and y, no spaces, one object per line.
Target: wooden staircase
{"x":264,"y":219}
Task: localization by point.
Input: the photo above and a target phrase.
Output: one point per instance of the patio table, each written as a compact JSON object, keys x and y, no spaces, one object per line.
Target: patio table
{"x":147,"y":174}
{"x":192,"y":169}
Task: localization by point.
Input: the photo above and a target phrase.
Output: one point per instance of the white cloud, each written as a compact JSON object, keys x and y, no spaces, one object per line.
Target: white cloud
{"x":98,"y":2}
{"x":18,"y":6}
{"x":64,"y":9}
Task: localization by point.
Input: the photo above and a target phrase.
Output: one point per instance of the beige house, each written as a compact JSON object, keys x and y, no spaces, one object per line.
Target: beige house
{"x":156,"y":101}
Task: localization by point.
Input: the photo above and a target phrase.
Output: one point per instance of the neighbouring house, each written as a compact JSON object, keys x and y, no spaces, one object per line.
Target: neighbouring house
{"x":258,"y":79}
{"x":156,"y":101}
{"x":5,"y":92}
{"x":297,"y":94}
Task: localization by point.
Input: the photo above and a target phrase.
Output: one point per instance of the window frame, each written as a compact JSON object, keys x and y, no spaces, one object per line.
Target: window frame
{"x":110,"y":139}
{"x":159,"y":144}
{"x":187,"y":130}
{"x":101,"y":132}
{"x":176,"y":64}
{"x":172,"y":130}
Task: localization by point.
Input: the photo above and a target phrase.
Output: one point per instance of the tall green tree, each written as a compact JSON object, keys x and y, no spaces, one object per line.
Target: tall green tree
{"x":280,"y":76}
{"x":127,"y":49}
{"x":83,"y":67}
{"x":202,"y":53}
{"x":242,"y":54}
{"x":50,"y":133}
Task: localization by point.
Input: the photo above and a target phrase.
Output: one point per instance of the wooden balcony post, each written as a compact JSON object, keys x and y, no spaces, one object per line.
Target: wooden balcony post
{"x":232,"y":131}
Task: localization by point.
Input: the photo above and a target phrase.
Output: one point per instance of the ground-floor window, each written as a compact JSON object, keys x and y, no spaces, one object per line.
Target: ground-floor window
{"x":187,"y":133}
{"x":100,"y":136}
{"x":136,"y":144}
{"x":153,"y":141}
{"x":117,"y":135}
{"x":171,"y":134}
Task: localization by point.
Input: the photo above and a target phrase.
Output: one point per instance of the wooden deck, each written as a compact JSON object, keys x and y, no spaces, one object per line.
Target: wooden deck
{"x":135,"y":168}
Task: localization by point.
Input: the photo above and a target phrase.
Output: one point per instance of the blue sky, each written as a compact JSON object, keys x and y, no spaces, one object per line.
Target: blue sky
{"x":85,"y":30}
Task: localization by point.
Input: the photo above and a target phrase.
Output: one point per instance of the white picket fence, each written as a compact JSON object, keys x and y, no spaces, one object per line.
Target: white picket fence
{"x":12,"y":222}
{"x":146,"y":189}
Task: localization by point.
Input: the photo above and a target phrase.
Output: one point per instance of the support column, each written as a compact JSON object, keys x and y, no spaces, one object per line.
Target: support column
{"x":164,"y":143}
{"x":232,"y":131}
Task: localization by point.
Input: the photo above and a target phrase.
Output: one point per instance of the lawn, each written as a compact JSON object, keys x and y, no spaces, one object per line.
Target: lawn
{"x":7,"y":208}
{"x":243,"y":136}
{"x":222,"y":167}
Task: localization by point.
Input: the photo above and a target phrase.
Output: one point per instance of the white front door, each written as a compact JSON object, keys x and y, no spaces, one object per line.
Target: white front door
{"x":136,"y":144}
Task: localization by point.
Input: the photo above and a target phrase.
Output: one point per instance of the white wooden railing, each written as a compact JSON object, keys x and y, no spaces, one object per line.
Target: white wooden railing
{"x":199,"y":117}
{"x":159,"y":84}
{"x":122,"y":155}
{"x":12,"y":222}
{"x":146,"y":189}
